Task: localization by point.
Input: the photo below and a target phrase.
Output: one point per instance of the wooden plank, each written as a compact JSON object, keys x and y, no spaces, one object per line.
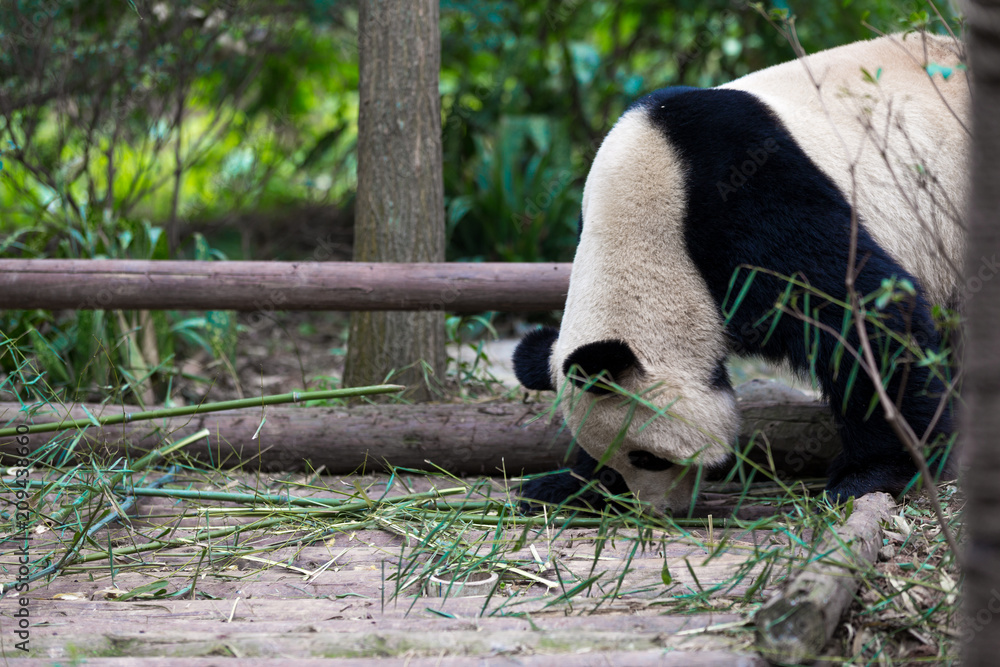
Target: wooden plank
{"x":653,"y":658}
{"x":467,"y":439}
{"x":325,"y":615}
{"x":247,"y":627}
{"x":90,"y":284}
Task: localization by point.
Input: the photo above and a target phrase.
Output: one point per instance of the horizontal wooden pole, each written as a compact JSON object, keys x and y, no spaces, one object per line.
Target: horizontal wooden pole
{"x":473,"y":439}
{"x":97,"y":284}
{"x":465,"y":439}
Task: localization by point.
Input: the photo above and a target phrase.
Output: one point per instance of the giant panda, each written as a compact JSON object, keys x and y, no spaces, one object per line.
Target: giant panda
{"x":692,"y":184}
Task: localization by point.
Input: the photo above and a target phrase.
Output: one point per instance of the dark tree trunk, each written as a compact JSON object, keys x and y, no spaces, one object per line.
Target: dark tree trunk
{"x":981,"y":427}
{"x":400,"y":201}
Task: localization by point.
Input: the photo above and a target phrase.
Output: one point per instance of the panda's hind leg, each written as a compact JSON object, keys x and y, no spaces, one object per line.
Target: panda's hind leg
{"x":873,"y":457}
{"x":875,"y":460}
{"x":568,"y":486}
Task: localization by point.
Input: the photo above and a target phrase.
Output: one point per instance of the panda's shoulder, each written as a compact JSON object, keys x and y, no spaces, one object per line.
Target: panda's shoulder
{"x":898,"y":60}
{"x":709,"y":121}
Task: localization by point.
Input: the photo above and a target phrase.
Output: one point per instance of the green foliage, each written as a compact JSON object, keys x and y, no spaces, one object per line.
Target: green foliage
{"x":122,"y":131}
{"x":528,"y":87}
{"x":112,"y":118}
{"x":572,"y":67}
{"x":523,"y":185}
{"x":82,"y":350}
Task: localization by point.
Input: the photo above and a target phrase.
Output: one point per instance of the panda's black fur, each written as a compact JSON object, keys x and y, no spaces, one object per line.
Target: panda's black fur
{"x":790,"y":218}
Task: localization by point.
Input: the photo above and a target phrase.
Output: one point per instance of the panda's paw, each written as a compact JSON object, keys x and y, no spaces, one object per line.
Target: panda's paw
{"x":551,"y":489}
{"x":567,"y":489}
{"x":891,"y":479}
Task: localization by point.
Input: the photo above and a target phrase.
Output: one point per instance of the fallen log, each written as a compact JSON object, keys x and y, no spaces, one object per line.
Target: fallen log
{"x":461,"y":438}
{"x":798,"y":429}
{"x":471,"y":439}
{"x":795,"y":625}
{"x":105,"y":284}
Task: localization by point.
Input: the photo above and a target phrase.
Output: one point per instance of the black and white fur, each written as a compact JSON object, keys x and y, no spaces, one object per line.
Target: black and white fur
{"x":692,"y":184}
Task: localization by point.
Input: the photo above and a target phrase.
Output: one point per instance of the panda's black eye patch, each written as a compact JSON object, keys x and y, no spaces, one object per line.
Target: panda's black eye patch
{"x":645,"y":461}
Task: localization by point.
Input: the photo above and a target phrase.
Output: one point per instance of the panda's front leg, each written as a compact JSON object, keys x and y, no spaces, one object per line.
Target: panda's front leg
{"x":559,"y":487}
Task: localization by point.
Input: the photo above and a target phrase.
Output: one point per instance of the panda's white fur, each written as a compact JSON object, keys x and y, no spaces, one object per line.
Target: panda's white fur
{"x":886,"y":130}
{"x":868,"y":138}
{"x":635,"y":178}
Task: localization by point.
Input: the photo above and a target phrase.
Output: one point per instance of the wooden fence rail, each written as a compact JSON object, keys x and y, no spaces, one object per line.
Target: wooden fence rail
{"x":81,"y":284}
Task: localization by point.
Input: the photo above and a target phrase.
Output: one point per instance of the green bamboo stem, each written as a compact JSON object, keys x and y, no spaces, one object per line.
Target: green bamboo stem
{"x":275,"y":399}
{"x":319,"y":505}
{"x":187,"y":542}
{"x":340,"y":504}
{"x":474,"y":518}
{"x":140,"y":465}
{"x":577,"y":522}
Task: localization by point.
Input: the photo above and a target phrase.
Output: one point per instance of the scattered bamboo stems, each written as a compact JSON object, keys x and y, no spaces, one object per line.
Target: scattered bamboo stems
{"x":71,"y":555}
{"x":138,"y":466}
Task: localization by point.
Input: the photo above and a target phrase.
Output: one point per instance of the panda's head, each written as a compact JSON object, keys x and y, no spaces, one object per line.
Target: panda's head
{"x":639,"y":315}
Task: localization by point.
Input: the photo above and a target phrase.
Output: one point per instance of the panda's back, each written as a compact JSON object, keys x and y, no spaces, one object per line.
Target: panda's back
{"x":872,"y":105}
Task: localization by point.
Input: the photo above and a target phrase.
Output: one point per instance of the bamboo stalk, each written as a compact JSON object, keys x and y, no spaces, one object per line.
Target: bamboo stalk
{"x":201,"y":408}
{"x":341,"y":505}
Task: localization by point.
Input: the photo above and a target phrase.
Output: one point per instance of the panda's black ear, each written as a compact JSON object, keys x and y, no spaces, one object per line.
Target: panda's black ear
{"x":603,"y":357}
{"x":531,"y":359}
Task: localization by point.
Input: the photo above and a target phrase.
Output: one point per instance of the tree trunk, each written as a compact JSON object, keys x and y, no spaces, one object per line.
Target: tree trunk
{"x":981,"y":424}
{"x":400,"y":200}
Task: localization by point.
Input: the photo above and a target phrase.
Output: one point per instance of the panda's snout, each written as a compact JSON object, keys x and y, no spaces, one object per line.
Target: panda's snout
{"x":609,"y":360}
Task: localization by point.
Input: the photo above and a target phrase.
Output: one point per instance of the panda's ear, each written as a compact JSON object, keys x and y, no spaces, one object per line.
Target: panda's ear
{"x":603,"y":357}
{"x":531,"y":359}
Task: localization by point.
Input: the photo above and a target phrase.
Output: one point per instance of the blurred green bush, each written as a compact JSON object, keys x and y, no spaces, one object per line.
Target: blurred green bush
{"x":126,"y":127}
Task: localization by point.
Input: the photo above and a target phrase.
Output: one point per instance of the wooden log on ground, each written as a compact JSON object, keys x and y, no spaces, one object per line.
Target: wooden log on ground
{"x":90,"y":284}
{"x":798,"y":429}
{"x":472,"y":439}
{"x":795,"y":625}
{"x":465,"y":439}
